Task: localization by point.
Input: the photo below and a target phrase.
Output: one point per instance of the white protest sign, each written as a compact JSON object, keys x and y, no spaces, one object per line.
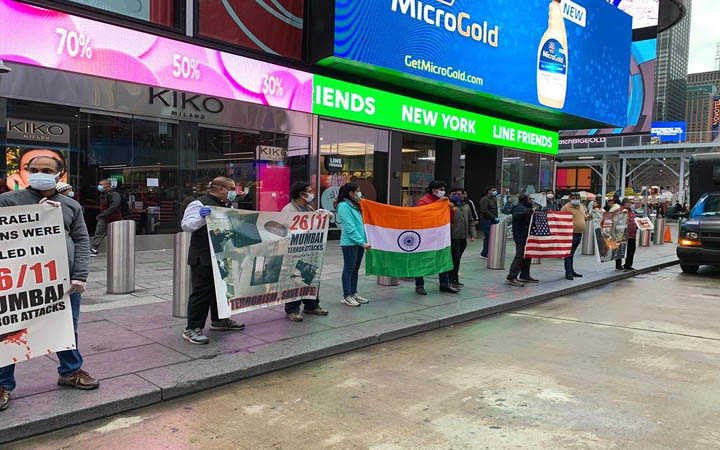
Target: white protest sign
{"x":35,"y":311}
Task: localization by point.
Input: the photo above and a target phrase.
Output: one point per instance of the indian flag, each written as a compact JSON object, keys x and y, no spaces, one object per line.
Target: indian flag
{"x":407,"y":242}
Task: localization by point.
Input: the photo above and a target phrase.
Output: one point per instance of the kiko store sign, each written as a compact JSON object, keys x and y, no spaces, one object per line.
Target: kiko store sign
{"x":37,"y":131}
{"x":183,"y":105}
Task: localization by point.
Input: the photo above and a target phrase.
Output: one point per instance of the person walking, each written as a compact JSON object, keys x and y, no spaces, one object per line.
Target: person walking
{"x":202,"y":297}
{"x":301,"y":196}
{"x":521,"y":216}
{"x":462,"y":228}
{"x":473,"y":210}
{"x":353,"y":241}
{"x":110,"y":211}
{"x":488,"y":212}
{"x":580,"y":220}
{"x":435,"y":191}
{"x":632,"y":238}
{"x":44,"y":173}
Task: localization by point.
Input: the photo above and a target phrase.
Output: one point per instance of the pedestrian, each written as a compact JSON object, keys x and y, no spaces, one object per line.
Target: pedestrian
{"x":552,"y":203}
{"x":110,"y":211}
{"x":520,"y":267}
{"x":488,"y":212}
{"x":301,"y":196}
{"x":612,"y":205}
{"x":473,"y":210}
{"x":580,"y":220}
{"x":221,"y":192}
{"x":64,"y":189}
{"x":435,"y":191}
{"x":352,"y":241}
{"x":461,"y":229}
{"x":44,"y":173}
{"x":632,"y":238}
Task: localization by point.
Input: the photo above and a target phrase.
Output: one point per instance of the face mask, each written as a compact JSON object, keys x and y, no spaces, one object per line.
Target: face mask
{"x":100,"y":187}
{"x":441,"y":194}
{"x":43,"y":181}
{"x":232,"y":195}
{"x":575,"y":202}
{"x":455,"y":198}
{"x":358,"y":194}
{"x":494,"y":193}
{"x":71,"y":194}
{"x":309,"y":197}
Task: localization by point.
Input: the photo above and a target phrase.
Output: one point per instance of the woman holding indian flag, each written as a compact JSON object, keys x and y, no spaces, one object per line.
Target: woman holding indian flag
{"x":353,"y":241}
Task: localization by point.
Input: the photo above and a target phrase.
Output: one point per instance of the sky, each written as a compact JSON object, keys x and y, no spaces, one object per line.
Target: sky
{"x":704,"y":35}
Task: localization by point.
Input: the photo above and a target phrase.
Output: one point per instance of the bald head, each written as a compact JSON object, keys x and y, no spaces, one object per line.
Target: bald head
{"x":220,"y":186}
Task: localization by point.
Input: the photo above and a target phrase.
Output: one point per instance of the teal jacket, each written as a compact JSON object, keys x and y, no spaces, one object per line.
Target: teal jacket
{"x":350,"y":220}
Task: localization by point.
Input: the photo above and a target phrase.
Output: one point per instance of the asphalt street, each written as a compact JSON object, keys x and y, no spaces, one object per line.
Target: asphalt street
{"x":630,"y":365}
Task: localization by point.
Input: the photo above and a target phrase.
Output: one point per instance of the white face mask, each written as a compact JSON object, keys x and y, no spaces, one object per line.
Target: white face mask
{"x":309,"y":197}
{"x":358,"y":194}
{"x":441,"y":194}
{"x":43,"y":181}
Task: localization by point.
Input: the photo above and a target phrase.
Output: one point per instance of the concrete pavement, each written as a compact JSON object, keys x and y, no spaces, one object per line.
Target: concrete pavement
{"x":631,"y":364}
{"x":133,"y":345}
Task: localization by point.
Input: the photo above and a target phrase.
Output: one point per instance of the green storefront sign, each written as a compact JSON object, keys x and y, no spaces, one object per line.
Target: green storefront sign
{"x":348,"y":101}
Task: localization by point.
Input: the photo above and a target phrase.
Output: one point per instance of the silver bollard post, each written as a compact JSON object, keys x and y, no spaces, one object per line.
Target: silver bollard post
{"x":496,"y":250}
{"x":181,"y":274}
{"x":643,"y":238}
{"x":659,"y":231}
{"x":588,"y":240}
{"x":387,"y":281}
{"x":121,"y":257}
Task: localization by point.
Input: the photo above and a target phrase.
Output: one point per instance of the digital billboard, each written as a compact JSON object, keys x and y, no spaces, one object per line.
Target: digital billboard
{"x":668,"y":132}
{"x":564,"y":56}
{"x":643,"y":12}
{"x":641,"y":99}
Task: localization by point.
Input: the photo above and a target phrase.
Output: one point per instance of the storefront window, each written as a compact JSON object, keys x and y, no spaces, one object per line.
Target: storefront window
{"x":520,"y":175}
{"x":161,"y":12}
{"x":418,"y":167}
{"x":264,"y":165}
{"x":274,"y":27}
{"x":351,"y":153}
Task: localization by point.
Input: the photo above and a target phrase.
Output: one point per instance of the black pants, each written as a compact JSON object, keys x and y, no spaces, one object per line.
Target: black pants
{"x":520,"y":265}
{"x":202,"y":297}
{"x":457,"y":247}
{"x":629,"y":256}
{"x":569,"y":268}
{"x":294,"y":307}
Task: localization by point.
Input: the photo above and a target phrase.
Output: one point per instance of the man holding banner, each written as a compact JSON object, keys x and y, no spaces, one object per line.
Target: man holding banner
{"x":202,"y":298}
{"x":45,"y":171}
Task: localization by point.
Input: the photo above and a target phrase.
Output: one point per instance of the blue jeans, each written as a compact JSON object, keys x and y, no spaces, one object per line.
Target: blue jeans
{"x":352,"y":257}
{"x":485,"y":228}
{"x":70,"y":360}
{"x":569,"y":270}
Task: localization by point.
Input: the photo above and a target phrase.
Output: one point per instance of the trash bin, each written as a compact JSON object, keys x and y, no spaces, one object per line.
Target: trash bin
{"x":588,"y":240}
{"x":388,"y":281}
{"x":121,"y":257}
{"x":643,"y":238}
{"x":181,"y":274}
{"x":659,"y":231}
{"x":496,"y":250}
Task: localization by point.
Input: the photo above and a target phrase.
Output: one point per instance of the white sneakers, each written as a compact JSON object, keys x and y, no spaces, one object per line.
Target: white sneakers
{"x":361,"y":300}
{"x":354,"y":300}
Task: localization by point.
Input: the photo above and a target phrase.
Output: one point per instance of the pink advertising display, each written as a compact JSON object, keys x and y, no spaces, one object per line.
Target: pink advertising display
{"x":55,"y":40}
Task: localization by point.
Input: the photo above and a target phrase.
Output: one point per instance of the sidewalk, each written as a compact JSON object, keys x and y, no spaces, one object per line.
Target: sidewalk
{"x":133,"y":344}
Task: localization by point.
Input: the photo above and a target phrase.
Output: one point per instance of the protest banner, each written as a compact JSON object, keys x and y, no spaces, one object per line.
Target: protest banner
{"x":35,"y":312}
{"x":263,"y":259}
{"x":644,"y":223}
{"x":610,"y":231}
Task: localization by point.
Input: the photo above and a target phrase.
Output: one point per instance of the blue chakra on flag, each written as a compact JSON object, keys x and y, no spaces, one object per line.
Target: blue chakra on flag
{"x":409,"y":241}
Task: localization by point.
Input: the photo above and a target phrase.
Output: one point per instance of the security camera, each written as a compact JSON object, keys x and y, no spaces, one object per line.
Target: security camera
{"x":4,"y":68}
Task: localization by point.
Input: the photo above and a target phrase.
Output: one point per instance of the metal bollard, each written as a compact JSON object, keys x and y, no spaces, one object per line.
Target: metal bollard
{"x":496,"y":250}
{"x":659,"y":231}
{"x":121,"y":257}
{"x":388,"y":281}
{"x":181,"y":274}
{"x":643,"y":238}
{"x":588,"y":240}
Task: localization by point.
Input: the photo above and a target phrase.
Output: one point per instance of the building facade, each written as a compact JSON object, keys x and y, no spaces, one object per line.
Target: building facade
{"x":672,"y":63}
{"x":704,"y":78}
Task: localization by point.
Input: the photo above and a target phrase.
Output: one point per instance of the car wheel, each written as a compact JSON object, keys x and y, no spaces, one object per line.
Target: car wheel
{"x":689,"y":269}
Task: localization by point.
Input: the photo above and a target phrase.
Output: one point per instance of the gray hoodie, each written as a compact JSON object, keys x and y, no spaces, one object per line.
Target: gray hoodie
{"x":76,"y":234}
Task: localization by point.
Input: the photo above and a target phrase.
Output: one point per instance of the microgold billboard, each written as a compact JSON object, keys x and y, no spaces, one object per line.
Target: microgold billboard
{"x":569,"y":56}
{"x":342,"y":100}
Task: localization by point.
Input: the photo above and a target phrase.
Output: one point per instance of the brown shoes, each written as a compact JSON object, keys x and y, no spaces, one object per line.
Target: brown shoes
{"x":4,"y":399}
{"x":316,"y":312}
{"x":79,"y":380}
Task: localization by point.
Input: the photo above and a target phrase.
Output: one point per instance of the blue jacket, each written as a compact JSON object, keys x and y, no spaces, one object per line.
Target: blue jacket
{"x":350,"y":219}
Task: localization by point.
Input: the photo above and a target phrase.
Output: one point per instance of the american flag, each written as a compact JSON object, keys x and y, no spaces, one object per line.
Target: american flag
{"x":551,"y":235}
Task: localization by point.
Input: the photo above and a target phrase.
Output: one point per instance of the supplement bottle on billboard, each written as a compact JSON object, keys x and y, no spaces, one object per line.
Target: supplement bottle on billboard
{"x":552,"y":62}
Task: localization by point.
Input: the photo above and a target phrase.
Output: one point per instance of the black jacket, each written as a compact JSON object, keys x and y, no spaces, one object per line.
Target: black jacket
{"x":199,"y":252}
{"x":487,"y":208}
{"x":521,"y":216}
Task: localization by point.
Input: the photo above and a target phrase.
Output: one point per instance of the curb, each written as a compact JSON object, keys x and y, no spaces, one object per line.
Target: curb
{"x":194,"y":376}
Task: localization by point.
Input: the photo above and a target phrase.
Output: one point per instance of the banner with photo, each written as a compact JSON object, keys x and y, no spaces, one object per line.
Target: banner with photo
{"x":610,"y":231}
{"x":263,"y":259}
{"x":35,"y":311}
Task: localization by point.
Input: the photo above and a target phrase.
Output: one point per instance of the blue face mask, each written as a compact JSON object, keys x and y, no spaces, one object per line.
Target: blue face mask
{"x":71,"y":194}
{"x":575,"y":202}
{"x":43,"y":181}
{"x":232,"y":195}
{"x":100,"y":187}
{"x":494,"y":193}
{"x":455,"y":198}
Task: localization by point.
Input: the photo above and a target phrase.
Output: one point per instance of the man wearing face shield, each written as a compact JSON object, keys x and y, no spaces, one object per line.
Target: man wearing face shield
{"x":44,"y":173}
{"x":221,"y":192}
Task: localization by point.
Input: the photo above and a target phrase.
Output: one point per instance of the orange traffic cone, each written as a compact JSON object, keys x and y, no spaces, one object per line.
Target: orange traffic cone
{"x":668,"y":235}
